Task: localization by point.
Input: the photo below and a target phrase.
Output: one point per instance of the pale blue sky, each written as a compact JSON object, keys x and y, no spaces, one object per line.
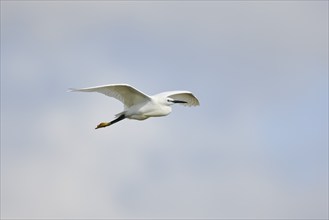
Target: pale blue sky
{"x":257,"y":147}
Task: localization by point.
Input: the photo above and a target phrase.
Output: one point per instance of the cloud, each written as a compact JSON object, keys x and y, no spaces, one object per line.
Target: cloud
{"x":253,"y":149}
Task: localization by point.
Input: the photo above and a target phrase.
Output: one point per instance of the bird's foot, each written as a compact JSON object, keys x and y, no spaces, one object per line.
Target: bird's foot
{"x":103,"y":125}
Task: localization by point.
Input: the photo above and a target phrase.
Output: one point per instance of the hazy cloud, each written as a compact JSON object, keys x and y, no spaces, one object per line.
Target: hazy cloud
{"x":257,"y":147}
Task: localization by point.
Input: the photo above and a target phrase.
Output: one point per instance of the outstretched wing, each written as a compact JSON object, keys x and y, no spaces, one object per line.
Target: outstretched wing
{"x":125,"y":93}
{"x":186,"y":96}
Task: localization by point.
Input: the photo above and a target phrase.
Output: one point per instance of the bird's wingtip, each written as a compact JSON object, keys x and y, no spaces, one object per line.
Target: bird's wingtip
{"x":71,"y":90}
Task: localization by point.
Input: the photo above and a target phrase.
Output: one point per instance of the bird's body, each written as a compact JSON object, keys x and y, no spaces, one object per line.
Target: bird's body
{"x":147,"y":109}
{"x":140,"y":106}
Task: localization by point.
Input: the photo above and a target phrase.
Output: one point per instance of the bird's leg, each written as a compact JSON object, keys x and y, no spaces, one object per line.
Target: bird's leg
{"x":105,"y":124}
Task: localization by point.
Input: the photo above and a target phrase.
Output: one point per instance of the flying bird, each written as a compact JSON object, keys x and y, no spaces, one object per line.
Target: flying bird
{"x":138,"y":105}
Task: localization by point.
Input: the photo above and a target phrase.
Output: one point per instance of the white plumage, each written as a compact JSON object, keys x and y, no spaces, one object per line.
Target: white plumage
{"x":138,"y":105}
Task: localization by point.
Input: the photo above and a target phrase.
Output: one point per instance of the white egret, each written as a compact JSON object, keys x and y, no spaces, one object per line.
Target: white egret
{"x":138,"y":105}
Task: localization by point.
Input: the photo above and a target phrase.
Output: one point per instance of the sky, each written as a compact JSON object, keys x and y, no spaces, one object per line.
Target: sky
{"x":256,"y":147}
